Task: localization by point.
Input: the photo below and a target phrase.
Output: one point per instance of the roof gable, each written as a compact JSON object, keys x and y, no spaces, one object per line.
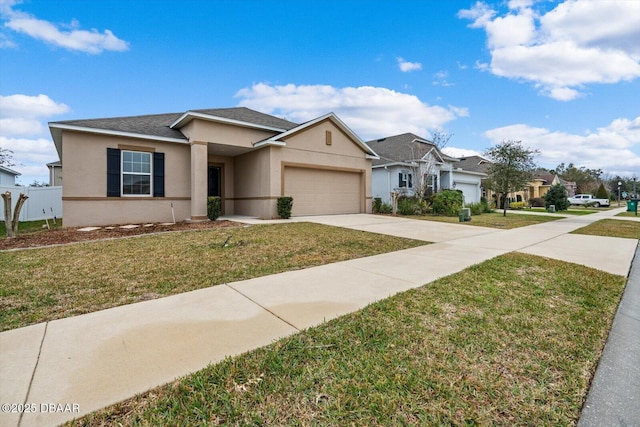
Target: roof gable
{"x":406,"y":147}
{"x":281,"y":138}
{"x":240,"y":116}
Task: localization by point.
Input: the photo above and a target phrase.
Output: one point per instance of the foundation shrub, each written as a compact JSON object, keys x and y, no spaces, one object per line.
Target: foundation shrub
{"x":476,"y":208}
{"x":214,"y":207}
{"x":516,"y":205}
{"x":284,"y":207}
{"x":411,"y":206}
{"x":447,"y":202}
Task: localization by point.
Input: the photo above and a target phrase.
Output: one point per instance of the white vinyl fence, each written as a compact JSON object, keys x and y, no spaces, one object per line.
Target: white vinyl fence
{"x":43,"y":202}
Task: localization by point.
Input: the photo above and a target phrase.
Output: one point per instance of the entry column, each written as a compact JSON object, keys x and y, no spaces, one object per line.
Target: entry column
{"x":198,"y":181}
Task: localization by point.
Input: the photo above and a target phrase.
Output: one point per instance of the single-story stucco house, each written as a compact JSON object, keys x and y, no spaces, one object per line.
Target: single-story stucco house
{"x":149,"y":168}
{"x":408,"y":163}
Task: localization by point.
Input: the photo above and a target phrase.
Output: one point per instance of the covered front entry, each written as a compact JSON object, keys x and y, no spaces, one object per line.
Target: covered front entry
{"x":324,"y":191}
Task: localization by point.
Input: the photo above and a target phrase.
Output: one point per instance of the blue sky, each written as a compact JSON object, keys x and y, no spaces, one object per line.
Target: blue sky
{"x":561,"y":76}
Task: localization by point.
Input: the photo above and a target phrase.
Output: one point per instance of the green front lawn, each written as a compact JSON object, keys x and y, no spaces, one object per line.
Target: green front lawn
{"x":493,"y":219}
{"x":26,"y":227}
{"x":612,"y":228}
{"x":38,"y":285}
{"x":571,"y":211}
{"x":512,"y":341}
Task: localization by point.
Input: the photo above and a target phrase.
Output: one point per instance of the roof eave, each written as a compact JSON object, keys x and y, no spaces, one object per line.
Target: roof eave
{"x":59,"y":127}
{"x":190,"y":115}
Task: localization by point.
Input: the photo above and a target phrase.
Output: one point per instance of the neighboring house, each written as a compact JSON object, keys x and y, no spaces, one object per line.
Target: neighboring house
{"x":55,"y":173}
{"x":476,"y":165}
{"x":149,"y":168}
{"x":8,"y":176}
{"x":571,"y":187}
{"x":541,"y":184}
{"x":409,"y":163}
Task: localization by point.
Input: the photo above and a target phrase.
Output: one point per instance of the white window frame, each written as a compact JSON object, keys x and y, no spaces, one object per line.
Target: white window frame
{"x":123,"y":173}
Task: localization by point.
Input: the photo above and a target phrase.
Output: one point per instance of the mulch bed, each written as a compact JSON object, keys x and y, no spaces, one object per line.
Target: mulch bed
{"x":72,"y":235}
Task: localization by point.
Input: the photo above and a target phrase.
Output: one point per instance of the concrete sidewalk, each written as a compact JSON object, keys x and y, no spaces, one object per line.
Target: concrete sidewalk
{"x":94,"y":360}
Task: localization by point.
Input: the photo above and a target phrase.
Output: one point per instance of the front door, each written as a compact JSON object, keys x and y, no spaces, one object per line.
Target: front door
{"x":214,"y":181}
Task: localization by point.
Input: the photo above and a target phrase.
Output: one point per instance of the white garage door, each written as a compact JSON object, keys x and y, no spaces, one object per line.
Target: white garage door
{"x":319,"y":192}
{"x":470,"y":192}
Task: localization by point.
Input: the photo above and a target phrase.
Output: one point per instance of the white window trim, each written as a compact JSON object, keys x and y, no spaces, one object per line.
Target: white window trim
{"x":122,"y":173}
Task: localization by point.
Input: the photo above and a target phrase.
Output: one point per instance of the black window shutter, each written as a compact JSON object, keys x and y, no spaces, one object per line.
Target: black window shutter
{"x":113,"y":172}
{"x":158,"y":174}
{"x":410,"y":180}
{"x":400,"y":180}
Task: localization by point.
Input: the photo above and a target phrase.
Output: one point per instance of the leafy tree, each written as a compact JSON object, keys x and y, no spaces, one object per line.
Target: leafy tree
{"x":557,"y":196}
{"x":6,"y":157}
{"x":586,"y":179}
{"x":511,"y":168}
{"x":602,"y":193}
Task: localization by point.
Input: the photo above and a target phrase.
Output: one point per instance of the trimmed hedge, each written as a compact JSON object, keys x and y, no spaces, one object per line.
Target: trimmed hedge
{"x":285,"y":204}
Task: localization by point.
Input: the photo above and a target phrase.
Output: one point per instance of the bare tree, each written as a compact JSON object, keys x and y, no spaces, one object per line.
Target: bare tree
{"x":6,"y":157}
{"x":440,"y":139}
{"x":11,"y":224}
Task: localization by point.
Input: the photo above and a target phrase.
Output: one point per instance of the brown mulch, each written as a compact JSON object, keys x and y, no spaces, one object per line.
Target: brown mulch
{"x":72,"y":235}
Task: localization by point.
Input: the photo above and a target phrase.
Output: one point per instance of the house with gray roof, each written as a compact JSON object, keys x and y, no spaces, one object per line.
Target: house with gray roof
{"x":408,"y":164}
{"x":154,"y":168}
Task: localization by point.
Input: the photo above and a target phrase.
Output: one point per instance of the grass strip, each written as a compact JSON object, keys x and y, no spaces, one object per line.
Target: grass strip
{"x":494,"y":220}
{"x":511,"y":341}
{"x":611,"y":228}
{"x":50,"y":283}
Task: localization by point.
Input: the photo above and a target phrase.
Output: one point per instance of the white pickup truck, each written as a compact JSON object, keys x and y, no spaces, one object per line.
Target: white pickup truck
{"x":588,"y":199}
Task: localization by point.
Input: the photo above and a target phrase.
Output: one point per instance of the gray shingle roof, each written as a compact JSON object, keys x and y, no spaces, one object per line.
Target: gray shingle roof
{"x":154,"y":125}
{"x":401,"y":148}
{"x":247,"y":115}
{"x":158,"y":124}
{"x":473,"y":164}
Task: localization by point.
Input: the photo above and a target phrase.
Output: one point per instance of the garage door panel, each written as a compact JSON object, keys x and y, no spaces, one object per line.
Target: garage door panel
{"x":319,"y":191}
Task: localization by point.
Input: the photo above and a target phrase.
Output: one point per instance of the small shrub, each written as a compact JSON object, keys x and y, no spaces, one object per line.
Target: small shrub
{"x":476,"y":208}
{"x":386,"y":208}
{"x":486,"y":206}
{"x":377,"y":205}
{"x":214,"y":207}
{"x":516,"y":205}
{"x":447,"y":202}
{"x":411,"y":206}
{"x":284,"y":207}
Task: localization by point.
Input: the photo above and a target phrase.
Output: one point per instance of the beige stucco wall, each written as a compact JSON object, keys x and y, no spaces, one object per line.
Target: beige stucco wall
{"x":253,"y":182}
{"x":220,"y":133}
{"x":309,"y":148}
{"x":85,"y":184}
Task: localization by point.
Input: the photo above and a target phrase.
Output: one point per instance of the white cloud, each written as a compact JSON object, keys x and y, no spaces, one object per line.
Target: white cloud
{"x":92,"y":41}
{"x":614,"y":148}
{"x":560,"y":51}
{"x":406,"y":66}
{"x":27,"y":106}
{"x":371,"y":112}
{"x":460,"y":152}
{"x":22,"y":130}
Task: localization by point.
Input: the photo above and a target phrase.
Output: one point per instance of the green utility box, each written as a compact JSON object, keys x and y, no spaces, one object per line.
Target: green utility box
{"x":632,"y":205}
